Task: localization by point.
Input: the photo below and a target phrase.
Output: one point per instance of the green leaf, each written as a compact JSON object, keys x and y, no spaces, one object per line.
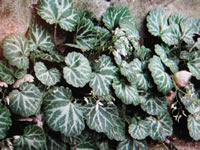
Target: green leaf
{"x":103,"y":36}
{"x":78,"y":70}
{"x":160,"y":127}
{"x":104,"y":73}
{"x":32,"y":139}
{"x":133,"y":72}
{"x":85,"y":35}
{"x":156,"y":22}
{"x":160,"y":77}
{"x":58,"y":12}
{"x":198,"y":44}
{"x":176,"y":18}
{"x":26,"y":101}
{"x":5,"y":121}
{"x":114,"y":15}
{"x":158,"y":26}
{"x":131,"y":144}
{"x":194,"y":65}
{"x":171,"y":35}
{"x":154,"y":105}
{"x":47,"y":77}
{"x":102,"y":118}
{"x":138,"y":129}
{"x":143,"y":53}
{"x":39,"y":38}
{"x":61,"y":114}
{"x":53,"y":56}
{"x":193,"y":124}
{"x":117,"y":132}
{"x":125,"y":91}
{"x":19,"y":73}
{"x":130,"y":28}
{"x":104,"y":145}
{"x":17,"y":49}
{"x":54,"y":144}
{"x":6,"y":74}
{"x":160,"y":50}
{"x":188,"y":30}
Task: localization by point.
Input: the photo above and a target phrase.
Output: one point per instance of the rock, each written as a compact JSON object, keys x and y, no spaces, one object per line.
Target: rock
{"x":15,"y":17}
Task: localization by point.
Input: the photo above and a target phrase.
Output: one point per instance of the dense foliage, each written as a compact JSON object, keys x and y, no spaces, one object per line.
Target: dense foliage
{"x":99,"y":87}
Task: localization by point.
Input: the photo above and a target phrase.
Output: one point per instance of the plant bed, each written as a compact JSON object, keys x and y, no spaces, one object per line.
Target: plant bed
{"x":78,"y":83}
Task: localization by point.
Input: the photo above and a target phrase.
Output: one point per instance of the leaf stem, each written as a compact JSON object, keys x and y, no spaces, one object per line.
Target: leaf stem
{"x":54,"y":34}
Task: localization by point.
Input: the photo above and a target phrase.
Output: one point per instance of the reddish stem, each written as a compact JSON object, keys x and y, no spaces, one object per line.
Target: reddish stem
{"x":54,"y":34}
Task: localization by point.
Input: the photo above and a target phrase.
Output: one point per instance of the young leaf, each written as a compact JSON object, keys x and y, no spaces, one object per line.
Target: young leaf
{"x":188,"y":30}
{"x":138,"y":129}
{"x":154,"y":105}
{"x":78,"y":70}
{"x":47,"y":77}
{"x":61,"y":114}
{"x":143,"y":53}
{"x":32,"y":139}
{"x":26,"y":101}
{"x":6,"y":74}
{"x":85,"y":35}
{"x":39,"y":38}
{"x":131,"y":144}
{"x":17,"y":49}
{"x":163,"y":56}
{"x":5,"y":121}
{"x":193,"y":124}
{"x":104,"y":72}
{"x":103,"y":36}
{"x":102,"y":118}
{"x":160,"y":127}
{"x":176,"y":18}
{"x":58,"y":12}
{"x":104,"y":145}
{"x":161,"y":78}
{"x":113,"y":16}
{"x":194,"y":65}
{"x":126,"y":92}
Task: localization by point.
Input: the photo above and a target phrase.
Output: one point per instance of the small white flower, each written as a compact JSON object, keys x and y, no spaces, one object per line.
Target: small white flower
{"x":182,"y":78}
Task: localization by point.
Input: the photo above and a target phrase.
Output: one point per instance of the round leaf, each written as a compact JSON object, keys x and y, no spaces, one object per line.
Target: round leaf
{"x":194,"y":66}
{"x":101,"y":118}
{"x":26,"y":101}
{"x":5,"y":121}
{"x":161,"y":127}
{"x":193,"y":124}
{"x":139,"y":130}
{"x":78,"y":70}
{"x":61,"y":114}
{"x":47,"y":77}
{"x":58,"y":12}
{"x":16,"y":50}
{"x":33,"y":139}
{"x":126,"y":92}
{"x":104,"y":72}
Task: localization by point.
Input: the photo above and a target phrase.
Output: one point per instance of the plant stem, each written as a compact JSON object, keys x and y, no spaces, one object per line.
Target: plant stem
{"x":54,"y":34}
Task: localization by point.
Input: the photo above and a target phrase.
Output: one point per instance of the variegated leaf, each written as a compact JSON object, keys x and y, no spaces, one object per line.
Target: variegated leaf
{"x":17,"y":49}
{"x":52,"y":143}
{"x":58,"y":12}
{"x":102,"y":118}
{"x":160,"y":127}
{"x":26,"y":101}
{"x":176,"y":18}
{"x":6,"y":74}
{"x":160,"y":50}
{"x":40,"y":38}
{"x":138,"y":129}
{"x":85,"y":35}
{"x":78,"y":70}
{"x":104,"y":72}
{"x":160,"y":77}
{"x":154,"y":105}
{"x":5,"y":121}
{"x":114,"y":15}
{"x":193,"y":124}
{"x":126,"y":92}
{"x":47,"y":77}
{"x":32,"y":139}
{"x":194,"y":65}
{"x":61,"y":114}
{"x":132,"y":144}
